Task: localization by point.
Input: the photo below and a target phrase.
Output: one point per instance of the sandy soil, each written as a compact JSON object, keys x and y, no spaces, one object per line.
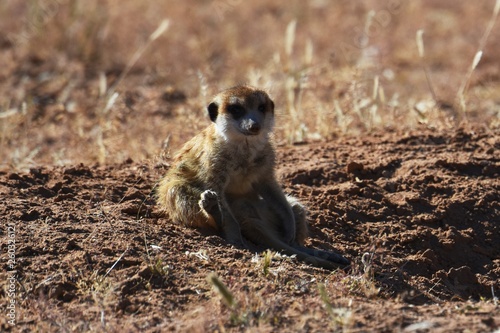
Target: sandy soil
{"x":417,"y":213}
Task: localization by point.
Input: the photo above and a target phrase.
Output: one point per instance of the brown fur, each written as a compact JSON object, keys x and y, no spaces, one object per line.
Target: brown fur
{"x":224,"y":178}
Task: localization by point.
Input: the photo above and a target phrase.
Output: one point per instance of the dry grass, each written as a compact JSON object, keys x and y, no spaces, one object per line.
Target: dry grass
{"x":333,"y":69}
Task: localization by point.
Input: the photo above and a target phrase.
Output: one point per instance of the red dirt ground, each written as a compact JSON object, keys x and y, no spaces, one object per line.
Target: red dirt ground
{"x":400,"y":164}
{"x":417,"y":213}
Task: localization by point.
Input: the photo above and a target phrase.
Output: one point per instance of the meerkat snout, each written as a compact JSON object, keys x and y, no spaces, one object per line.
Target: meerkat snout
{"x":251,"y":125}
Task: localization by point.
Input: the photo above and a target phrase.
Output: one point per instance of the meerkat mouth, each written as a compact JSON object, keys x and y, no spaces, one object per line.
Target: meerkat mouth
{"x":249,"y":133}
{"x":251,"y":129}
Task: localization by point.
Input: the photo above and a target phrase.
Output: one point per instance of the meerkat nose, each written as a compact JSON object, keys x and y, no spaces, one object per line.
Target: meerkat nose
{"x":254,"y":127}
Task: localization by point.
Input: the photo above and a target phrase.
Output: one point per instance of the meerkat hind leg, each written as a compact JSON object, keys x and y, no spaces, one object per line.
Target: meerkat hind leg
{"x":258,"y":225}
{"x":257,"y":231}
{"x":300,"y":215}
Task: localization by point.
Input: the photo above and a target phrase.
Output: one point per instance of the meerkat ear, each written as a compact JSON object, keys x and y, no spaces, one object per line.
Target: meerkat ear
{"x":213,"y":111}
{"x":272,"y":105}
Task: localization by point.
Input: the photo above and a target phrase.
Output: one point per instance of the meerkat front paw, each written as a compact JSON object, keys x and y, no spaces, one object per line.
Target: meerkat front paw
{"x":209,"y":202}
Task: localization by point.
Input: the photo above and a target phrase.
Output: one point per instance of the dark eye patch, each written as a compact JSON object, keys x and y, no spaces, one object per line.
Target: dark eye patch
{"x":236,"y":110}
{"x":262,"y":108}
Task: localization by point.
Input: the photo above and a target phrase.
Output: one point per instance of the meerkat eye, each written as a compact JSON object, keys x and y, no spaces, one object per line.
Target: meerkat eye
{"x":262,"y":108}
{"x":237,"y":111}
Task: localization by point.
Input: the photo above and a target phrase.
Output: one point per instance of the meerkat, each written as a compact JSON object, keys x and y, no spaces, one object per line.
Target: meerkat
{"x":224,"y":178}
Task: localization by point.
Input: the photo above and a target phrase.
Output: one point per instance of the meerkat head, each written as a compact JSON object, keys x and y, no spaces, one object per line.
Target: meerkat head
{"x":242,"y":112}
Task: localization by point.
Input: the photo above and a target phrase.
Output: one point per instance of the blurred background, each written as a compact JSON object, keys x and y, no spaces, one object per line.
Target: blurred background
{"x":108,"y":81}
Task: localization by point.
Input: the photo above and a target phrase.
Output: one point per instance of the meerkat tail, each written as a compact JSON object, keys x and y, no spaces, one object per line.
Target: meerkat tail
{"x":327,"y":255}
{"x":279,"y":245}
